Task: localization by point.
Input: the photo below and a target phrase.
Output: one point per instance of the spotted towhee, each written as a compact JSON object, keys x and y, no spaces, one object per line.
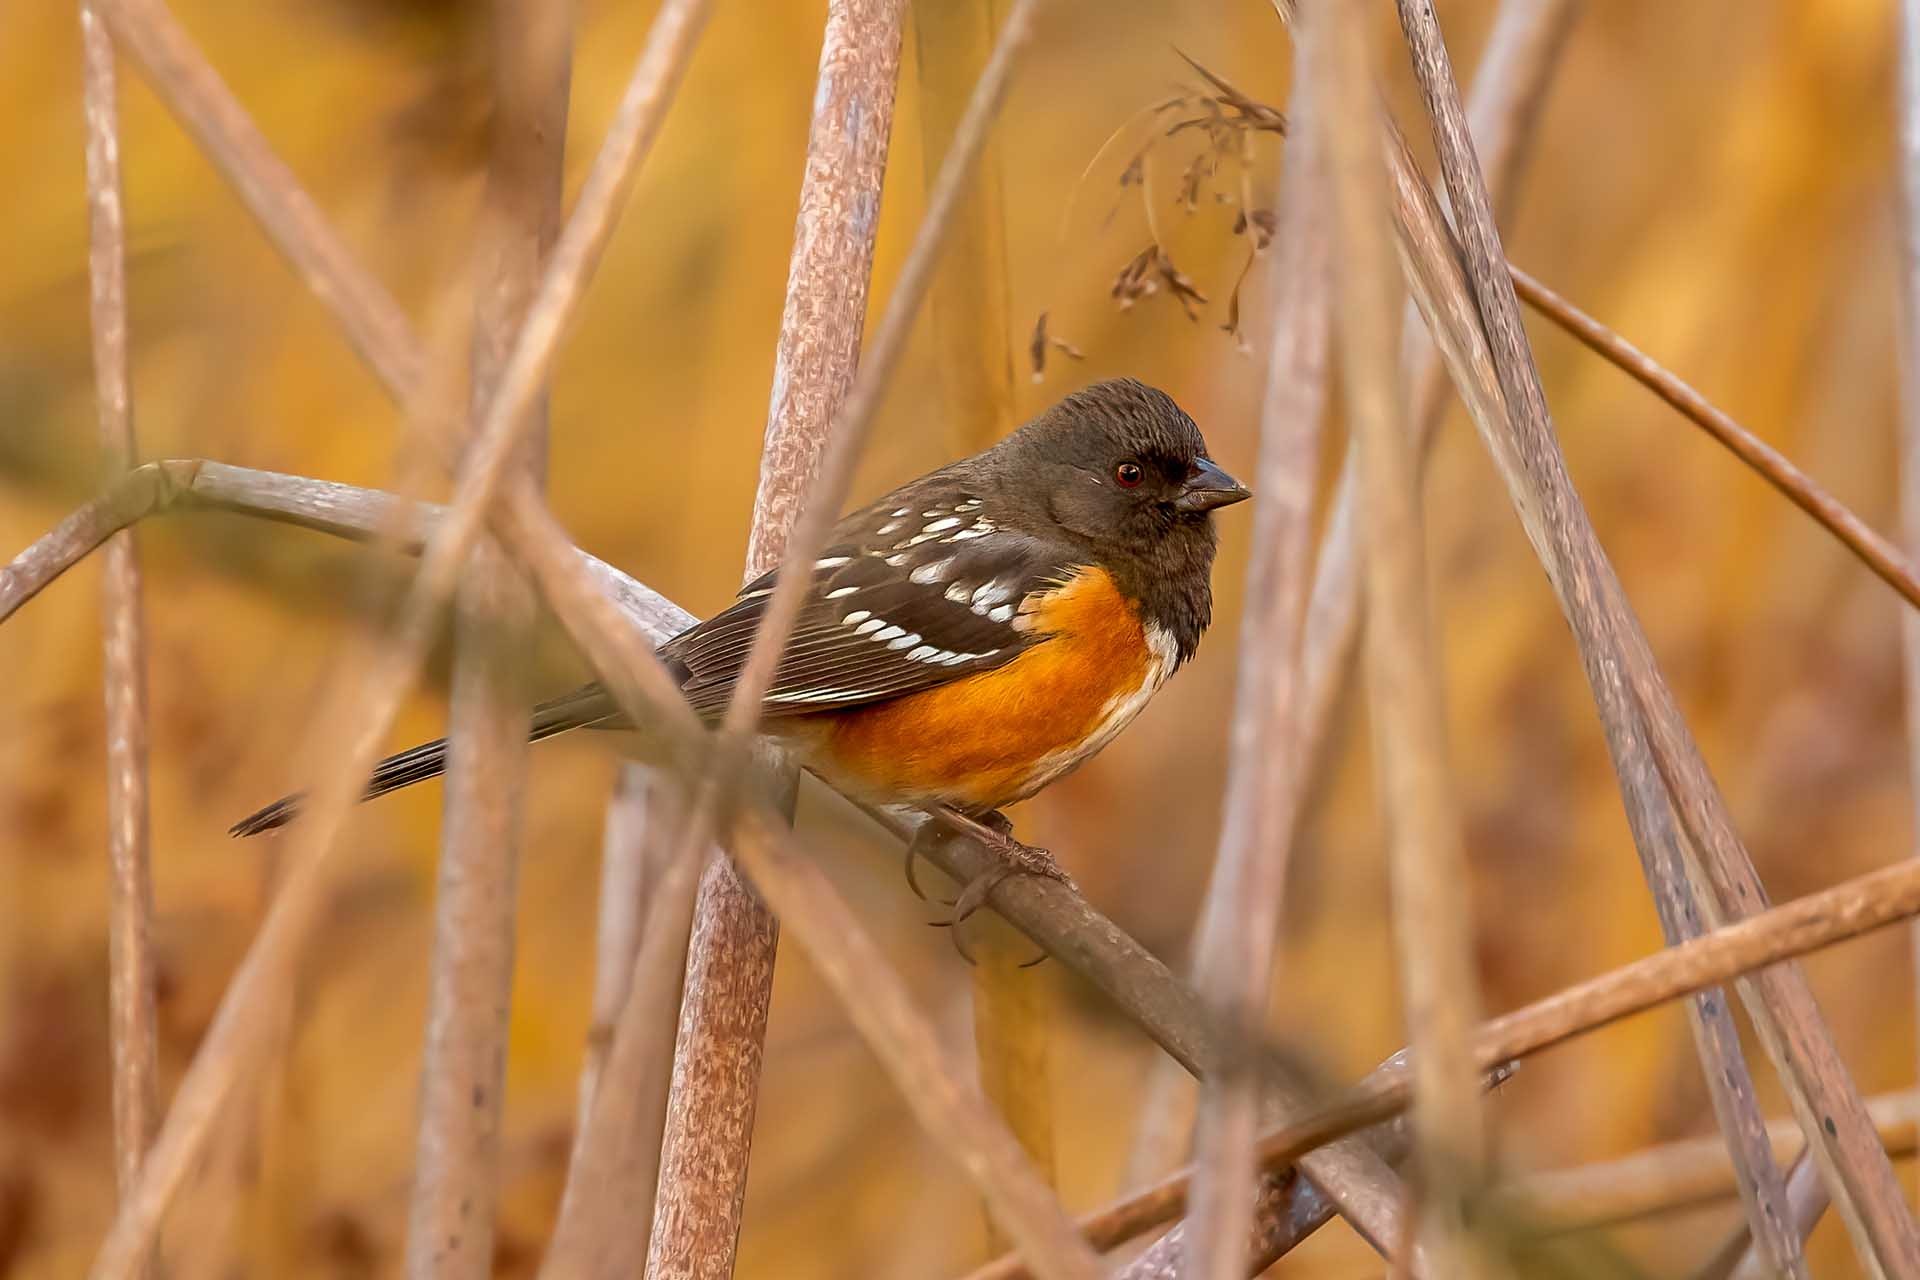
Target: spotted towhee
{"x":975,"y":634}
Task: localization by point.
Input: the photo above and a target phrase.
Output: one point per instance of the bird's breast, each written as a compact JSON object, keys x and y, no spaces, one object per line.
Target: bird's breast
{"x":986,"y":740}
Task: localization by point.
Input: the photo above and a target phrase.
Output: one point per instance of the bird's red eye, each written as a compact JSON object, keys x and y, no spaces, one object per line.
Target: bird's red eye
{"x":1128,"y":474}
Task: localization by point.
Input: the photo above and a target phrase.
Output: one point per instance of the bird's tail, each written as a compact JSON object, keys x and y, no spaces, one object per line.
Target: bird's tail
{"x":586,"y":707}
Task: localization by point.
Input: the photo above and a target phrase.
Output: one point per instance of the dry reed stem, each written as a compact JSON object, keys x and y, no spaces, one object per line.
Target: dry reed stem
{"x":1638,"y":711}
{"x":613,"y":1178}
{"x":1237,"y":941}
{"x":1807,"y":1201}
{"x":1428,"y":867}
{"x":450,"y":1223}
{"x":1515,"y":73}
{"x":266,"y":972}
{"x":969,"y":310}
{"x":629,"y":851}
{"x":1878,"y":553}
{"x":729,"y":978}
{"x":1908,"y":112}
{"x":1678,"y":1176}
{"x":130,"y":1004}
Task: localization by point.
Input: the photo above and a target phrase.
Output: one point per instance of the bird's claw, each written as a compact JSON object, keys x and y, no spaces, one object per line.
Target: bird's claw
{"x":1012,"y":858}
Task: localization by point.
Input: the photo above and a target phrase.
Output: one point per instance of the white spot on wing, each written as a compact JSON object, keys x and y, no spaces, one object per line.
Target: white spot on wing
{"x":830,"y":562}
{"x":1001,"y":613}
{"x":858,"y":615}
{"x":886,"y":633}
{"x":838,"y":592}
{"x":924,"y":653}
{"x":941,"y":526}
{"x":890,"y":526}
{"x":897,"y":560}
{"x":906,"y":641}
{"x":931,"y":572}
{"x":871,"y":624}
{"x":960,"y":592}
{"x":904,"y":511}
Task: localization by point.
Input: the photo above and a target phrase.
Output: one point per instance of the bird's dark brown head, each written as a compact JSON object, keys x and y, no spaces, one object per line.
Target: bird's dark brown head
{"x":1121,"y":471}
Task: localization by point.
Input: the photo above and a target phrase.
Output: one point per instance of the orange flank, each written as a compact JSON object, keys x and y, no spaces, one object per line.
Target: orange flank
{"x":987,"y":740}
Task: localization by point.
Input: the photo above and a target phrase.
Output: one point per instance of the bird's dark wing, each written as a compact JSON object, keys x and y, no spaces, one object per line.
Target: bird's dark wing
{"x":914,"y":591}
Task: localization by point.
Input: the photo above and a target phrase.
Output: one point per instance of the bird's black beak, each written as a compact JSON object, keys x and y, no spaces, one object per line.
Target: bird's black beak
{"x":1209,"y":487}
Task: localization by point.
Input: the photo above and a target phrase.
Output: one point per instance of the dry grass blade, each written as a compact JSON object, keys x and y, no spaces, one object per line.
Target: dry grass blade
{"x":463,"y":1069}
{"x":136,"y":1103}
{"x":1240,"y":921}
{"x":1431,"y":915}
{"x":729,"y":980}
{"x":1638,"y":710}
{"x":1874,"y":551}
{"x":262,"y":980}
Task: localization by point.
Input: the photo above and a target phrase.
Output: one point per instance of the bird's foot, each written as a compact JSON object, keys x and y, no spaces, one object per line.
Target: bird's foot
{"x":1012,"y":857}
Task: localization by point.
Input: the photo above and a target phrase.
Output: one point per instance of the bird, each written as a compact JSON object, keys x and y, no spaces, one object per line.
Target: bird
{"x":972,"y":636}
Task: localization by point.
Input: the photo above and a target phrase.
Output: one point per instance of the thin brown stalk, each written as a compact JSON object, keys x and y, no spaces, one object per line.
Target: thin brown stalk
{"x":1638,"y":710}
{"x":729,"y":980}
{"x":1431,"y":914}
{"x":1240,"y":921}
{"x":1876,"y":552}
{"x":470,"y":984}
{"x":1679,"y":1176}
{"x":1909,"y":437}
{"x":264,"y":975}
{"x":136,"y":1106}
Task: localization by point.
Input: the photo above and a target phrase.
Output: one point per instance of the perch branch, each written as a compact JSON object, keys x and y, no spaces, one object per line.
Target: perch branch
{"x":130,"y":1004}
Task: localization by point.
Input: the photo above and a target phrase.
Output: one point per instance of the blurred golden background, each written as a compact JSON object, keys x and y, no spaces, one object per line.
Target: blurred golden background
{"x":1714,"y":179}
